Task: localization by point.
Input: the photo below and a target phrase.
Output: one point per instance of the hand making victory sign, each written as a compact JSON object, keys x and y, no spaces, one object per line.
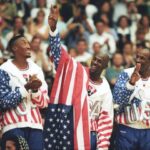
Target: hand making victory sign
{"x":53,"y":17}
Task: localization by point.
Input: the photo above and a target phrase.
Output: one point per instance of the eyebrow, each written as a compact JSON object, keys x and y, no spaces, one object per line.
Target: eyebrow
{"x":99,"y":58}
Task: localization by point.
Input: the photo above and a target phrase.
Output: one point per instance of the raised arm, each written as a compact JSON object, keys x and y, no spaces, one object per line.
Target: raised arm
{"x":122,"y":92}
{"x":54,"y":38}
{"x":124,"y":88}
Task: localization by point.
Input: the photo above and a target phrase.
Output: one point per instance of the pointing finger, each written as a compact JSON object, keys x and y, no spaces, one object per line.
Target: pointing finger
{"x":138,"y":67}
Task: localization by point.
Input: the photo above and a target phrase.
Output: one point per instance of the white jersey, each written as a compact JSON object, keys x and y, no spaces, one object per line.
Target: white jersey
{"x":101,"y":111}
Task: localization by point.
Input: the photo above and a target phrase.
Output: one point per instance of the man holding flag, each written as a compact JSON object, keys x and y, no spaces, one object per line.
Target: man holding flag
{"x":68,"y":123}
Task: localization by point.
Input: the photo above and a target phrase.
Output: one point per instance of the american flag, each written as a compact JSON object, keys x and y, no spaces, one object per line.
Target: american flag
{"x":67,"y":121}
{"x":59,"y":131}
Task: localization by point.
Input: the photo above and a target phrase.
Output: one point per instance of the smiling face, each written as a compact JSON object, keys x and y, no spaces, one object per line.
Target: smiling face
{"x":22,"y":48}
{"x":98,"y":64}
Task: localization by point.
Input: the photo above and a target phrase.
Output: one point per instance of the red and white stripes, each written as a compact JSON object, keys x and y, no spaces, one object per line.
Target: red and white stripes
{"x":70,"y":89}
{"x":104,"y":130}
{"x":26,"y":114}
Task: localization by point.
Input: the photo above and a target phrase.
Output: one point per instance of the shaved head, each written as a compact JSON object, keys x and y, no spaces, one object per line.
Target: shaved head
{"x":105,"y":59}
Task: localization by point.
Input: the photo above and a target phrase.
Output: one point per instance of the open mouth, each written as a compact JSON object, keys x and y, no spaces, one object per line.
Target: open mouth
{"x":93,"y":67}
{"x":28,"y":52}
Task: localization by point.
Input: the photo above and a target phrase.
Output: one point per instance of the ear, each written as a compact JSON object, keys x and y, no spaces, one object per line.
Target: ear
{"x":106,"y":60}
{"x":14,"y":48}
{"x":105,"y":65}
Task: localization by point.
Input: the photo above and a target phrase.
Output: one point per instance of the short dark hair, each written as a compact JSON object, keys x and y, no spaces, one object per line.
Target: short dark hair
{"x":143,"y":44}
{"x":13,"y":41}
{"x":140,"y":30}
{"x":35,"y":37}
{"x":105,"y":58}
{"x":98,"y":20}
{"x":121,"y":17}
{"x":16,"y":17}
{"x":128,"y":43}
{"x":81,"y":40}
{"x":141,"y":20}
{"x":19,"y":142}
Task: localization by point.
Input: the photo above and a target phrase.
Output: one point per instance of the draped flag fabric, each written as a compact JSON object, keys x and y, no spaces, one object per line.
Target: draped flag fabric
{"x":67,"y":122}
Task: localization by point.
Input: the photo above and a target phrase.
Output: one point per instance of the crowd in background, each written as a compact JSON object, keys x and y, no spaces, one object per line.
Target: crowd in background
{"x":86,"y":27}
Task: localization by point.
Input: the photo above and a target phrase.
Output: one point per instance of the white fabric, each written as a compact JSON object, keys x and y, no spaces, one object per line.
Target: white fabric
{"x":103,"y":96}
{"x":101,"y":40}
{"x":84,"y":57}
{"x":27,"y":107}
